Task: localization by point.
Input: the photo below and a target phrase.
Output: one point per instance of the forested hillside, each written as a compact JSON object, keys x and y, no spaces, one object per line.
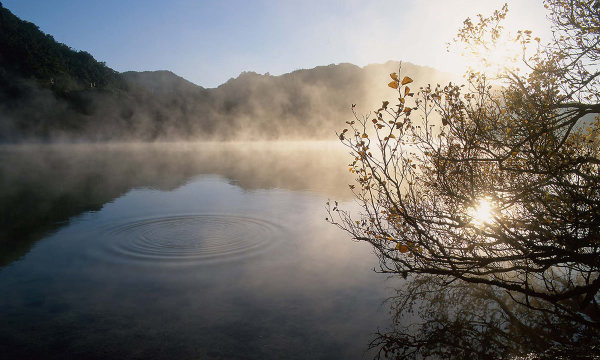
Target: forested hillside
{"x":30,"y":53}
{"x":50,"y":92}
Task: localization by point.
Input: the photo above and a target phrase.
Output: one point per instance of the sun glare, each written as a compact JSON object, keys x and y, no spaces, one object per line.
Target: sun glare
{"x":482,"y":213}
{"x":494,"y":57}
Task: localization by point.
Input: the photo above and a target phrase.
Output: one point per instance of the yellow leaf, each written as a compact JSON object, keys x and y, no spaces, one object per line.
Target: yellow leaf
{"x":393,"y":84}
{"x":406,"y":90}
{"x":406,"y":80}
{"x":392,"y":136}
{"x":402,"y":248}
{"x":364,"y":136}
{"x":394,"y":76}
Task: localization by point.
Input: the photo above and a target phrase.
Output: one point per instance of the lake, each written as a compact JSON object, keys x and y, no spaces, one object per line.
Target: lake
{"x":182,"y":251}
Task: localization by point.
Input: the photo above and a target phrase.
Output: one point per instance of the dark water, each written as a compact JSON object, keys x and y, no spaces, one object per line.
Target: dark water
{"x":178,"y":251}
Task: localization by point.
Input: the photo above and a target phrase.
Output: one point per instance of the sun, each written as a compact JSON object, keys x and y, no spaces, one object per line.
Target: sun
{"x":495,"y":55}
{"x":482,"y":213}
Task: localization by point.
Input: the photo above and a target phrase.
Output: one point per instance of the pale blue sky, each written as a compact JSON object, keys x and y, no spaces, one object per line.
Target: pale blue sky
{"x":208,"y":42}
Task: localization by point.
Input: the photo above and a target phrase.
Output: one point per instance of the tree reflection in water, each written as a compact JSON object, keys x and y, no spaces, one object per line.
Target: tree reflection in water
{"x":436,"y":319}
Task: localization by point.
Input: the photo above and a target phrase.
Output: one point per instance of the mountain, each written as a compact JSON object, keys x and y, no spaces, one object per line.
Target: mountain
{"x":50,"y":92}
{"x":162,"y":82}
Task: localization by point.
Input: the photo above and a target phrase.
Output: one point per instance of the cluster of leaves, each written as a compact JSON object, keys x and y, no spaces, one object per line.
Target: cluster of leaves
{"x":524,"y":142}
{"x":576,"y":48}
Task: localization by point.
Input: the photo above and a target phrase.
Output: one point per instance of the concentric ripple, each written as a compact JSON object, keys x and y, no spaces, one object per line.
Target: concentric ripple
{"x":188,"y":239}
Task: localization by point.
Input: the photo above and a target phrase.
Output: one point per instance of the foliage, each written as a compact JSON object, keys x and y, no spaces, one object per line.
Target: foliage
{"x":495,"y":182}
{"x":27,"y":51}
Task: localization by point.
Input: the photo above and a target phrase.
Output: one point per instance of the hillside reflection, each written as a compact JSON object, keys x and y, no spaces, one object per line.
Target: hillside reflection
{"x":43,"y":186}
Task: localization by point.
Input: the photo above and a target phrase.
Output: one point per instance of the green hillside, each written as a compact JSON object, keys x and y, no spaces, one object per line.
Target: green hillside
{"x":28,"y":52}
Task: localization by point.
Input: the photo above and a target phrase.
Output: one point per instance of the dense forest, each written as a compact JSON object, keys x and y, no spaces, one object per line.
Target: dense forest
{"x":30,"y":53}
{"x":50,"y":92}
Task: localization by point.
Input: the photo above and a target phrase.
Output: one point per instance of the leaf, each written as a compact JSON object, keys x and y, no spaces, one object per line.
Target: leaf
{"x":406,"y":90}
{"x":364,"y":136}
{"x":402,"y":248}
{"x":394,"y":76}
{"x":385,"y":104}
{"x":393,"y":84}
{"x":406,"y":80}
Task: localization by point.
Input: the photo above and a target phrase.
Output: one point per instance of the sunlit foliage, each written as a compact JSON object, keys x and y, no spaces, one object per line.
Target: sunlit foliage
{"x":496,"y":181}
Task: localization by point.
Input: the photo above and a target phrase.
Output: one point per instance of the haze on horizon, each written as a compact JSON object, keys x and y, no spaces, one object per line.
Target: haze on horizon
{"x":209,"y":42}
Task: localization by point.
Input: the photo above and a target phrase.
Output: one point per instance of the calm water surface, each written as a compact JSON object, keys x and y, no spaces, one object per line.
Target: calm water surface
{"x":187,"y":251}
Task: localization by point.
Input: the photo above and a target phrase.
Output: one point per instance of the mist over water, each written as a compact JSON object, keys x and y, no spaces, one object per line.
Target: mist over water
{"x":181,"y":250}
{"x":161,"y":106}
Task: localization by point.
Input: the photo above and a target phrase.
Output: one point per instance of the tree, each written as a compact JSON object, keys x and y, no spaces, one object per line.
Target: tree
{"x":495,"y":182}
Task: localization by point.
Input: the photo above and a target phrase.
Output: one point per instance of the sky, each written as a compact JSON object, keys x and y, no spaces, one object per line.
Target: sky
{"x":208,"y":42}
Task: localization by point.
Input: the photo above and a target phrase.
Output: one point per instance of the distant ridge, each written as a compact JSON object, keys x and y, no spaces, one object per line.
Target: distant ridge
{"x":50,"y":92}
{"x":160,"y":82}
